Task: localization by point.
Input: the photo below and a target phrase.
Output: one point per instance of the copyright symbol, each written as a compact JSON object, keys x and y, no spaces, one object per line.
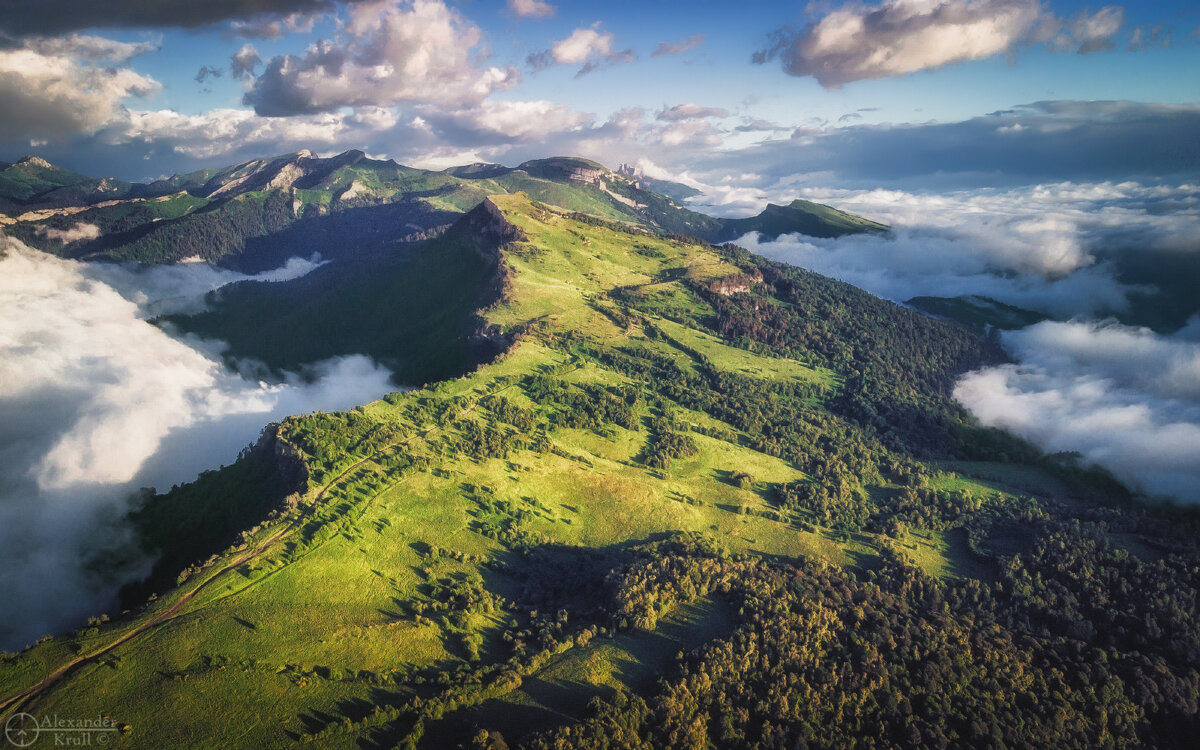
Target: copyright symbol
{"x":102,"y":738}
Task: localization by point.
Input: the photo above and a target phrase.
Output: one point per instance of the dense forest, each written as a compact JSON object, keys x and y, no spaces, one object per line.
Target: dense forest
{"x":899,"y":365}
{"x":896,"y":659}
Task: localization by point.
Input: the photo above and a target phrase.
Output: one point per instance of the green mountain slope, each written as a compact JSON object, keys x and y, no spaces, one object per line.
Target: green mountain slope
{"x":239,"y":215}
{"x":701,"y":499}
{"x":800,"y":217}
{"x":33,"y":182}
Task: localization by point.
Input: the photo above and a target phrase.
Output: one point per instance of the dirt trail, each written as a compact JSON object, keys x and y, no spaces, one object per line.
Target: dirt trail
{"x":167,"y":614}
{"x":175,"y":610}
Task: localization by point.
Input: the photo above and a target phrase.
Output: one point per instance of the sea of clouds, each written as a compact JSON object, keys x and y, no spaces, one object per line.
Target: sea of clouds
{"x":96,"y":402}
{"x":1125,"y":397}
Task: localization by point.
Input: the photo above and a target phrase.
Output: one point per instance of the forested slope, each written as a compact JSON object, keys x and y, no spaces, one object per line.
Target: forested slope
{"x":699,"y":499}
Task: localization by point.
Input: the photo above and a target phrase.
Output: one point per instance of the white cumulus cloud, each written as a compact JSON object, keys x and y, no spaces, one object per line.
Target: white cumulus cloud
{"x":1048,"y":247}
{"x":508,"y":121}
{"x":1123,"y":396}
{"x":391,"y":52}
{"x":589,"y":47}
{"x":895,"y":37}
{"x":64,"y":86}
{"x":531,"y":8}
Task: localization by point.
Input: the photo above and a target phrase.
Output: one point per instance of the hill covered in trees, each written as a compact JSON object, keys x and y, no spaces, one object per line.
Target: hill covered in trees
{"x":683,"y":497}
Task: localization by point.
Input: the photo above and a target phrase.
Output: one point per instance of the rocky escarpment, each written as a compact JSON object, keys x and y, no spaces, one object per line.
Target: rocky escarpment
{"x":491,"y":231}
{"x":736,"y":284}
{"x":488,"y":223}
{"x":289,"y":469}
{"x":571,"y":168}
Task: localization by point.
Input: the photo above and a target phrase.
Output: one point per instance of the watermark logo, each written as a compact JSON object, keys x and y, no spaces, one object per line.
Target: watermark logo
{"x":23,"y":730}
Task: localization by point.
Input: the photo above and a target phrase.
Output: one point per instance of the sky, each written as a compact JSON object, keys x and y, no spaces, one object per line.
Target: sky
{"x":139,"y":90}
{"x":1041,"y":153}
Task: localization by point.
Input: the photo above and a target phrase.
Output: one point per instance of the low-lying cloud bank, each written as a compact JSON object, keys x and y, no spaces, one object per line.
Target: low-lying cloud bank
{"x":95,"y":402}
{"x":1051,"y":248}
{"x":1125,"y":398}
{"x":1027,"y":144}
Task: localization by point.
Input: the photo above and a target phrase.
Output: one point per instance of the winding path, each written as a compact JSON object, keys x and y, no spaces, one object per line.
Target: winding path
{"x":18,"y":700}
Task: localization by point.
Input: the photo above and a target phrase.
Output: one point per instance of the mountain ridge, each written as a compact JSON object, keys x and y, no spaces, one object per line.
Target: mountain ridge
{"x":236,"y":207}
{"x":688,"y":486}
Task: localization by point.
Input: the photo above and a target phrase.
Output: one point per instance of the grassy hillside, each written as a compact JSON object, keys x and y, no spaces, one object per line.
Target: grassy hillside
{"x":683,"y":509}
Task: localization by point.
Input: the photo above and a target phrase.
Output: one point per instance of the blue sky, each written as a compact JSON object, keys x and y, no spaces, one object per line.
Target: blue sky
{"x":719,"y":72}
{"x":433,"y":82}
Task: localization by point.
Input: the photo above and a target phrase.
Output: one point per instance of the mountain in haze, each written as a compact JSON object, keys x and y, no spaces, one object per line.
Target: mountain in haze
{"x":669,"y":188}
{"x":34,"y":182}
{"x":649,"y":492}
{"x":229,"y":215}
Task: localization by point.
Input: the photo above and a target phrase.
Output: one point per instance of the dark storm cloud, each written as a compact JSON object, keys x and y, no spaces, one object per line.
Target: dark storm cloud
{"x":27,"y":17}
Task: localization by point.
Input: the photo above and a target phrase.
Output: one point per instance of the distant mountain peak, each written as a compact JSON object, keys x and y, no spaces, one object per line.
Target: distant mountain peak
{"x":34,"y":161}
{"x":567,"y":166}
{"x":675,"y":190}
{"x":269,"y":194}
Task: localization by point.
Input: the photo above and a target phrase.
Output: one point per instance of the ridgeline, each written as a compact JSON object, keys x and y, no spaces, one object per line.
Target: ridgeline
{"x":650,"y":492}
